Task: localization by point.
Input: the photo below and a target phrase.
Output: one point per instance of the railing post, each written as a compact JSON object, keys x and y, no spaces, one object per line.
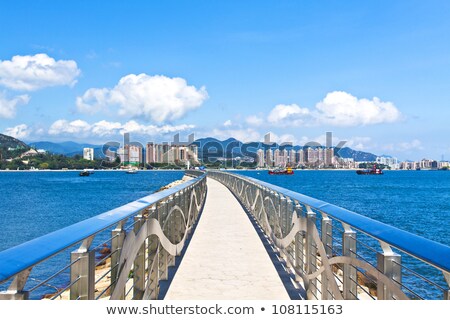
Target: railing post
{"x":163,"y":255}
{"x":153,"y":261}
{"x":389,"y":263}
{"x":290,"y":250}
{"x":82,"y":272}
{"x":311,"y":252}
{"x":118,"y":238}
{"x":299,"y":248}
{"x":171,"y":228}
{"x":139,"y":263}
{"x":349,"y":271}
{"x":281,"y":217}
{"x":15,"y":290}
{"x":179,"y":223}
{"x":327,"y":241}
{"x":447,"y":279}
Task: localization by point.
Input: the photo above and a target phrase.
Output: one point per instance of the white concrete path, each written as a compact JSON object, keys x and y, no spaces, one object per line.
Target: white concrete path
{"x":226,"y":259}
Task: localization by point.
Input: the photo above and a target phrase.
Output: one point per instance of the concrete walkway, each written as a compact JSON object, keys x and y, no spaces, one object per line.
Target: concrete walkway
{"x":226,"y":259}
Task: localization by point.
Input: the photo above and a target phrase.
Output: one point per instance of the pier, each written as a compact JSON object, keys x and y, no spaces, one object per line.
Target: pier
{"x":220,"y":236}
{"x":223,"y":255}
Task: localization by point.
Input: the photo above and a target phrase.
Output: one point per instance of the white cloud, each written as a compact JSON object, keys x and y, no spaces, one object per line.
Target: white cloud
{"x":105,"y":128}
{"x":411,"y":145}
{"x":20,"y":131}
{"x":66,"y":127}
{"x":360,"y":143}
{"x":227,"y":123}
{"x":81,"y":128}
{"x":284,"y":114}
{"x":31,"y":73}
{"x":338,"y":108}
{"x":342,"y":109}
{"x":159,"y":98}
{"x":8,"y":106}
{"x":152,"y":130}
{"x":93,"y":100}
{"x":254,"y":120}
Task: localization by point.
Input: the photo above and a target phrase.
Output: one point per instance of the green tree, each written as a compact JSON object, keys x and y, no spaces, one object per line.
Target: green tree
{"x":43,"y":165}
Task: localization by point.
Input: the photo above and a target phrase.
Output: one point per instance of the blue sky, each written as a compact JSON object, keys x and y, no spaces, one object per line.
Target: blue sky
{"x":375,"y":73}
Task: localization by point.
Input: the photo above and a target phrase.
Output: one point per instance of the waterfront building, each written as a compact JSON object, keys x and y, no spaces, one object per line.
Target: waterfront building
{"x":150,"y":156}
{"x":292,"y":158}
{"x":260,"y":158}
{"x":301,"y":157}
{"x":444,"y":164}
{"x":276,"y":158}
{"x":130,"y":155}
{"x":388,"y":161}
{"x":88,"y":154}
{"x":135,"y":155}
{"x":321,"y":156}
{"x":284,"y":157}
{"x":269,"y":158}
{"x":329,"y":157}
{"x":312,"y":155}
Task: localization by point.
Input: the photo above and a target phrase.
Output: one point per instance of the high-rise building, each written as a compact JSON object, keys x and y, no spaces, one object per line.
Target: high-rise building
{"x":151,"y":153}
{"x":329,"y":156}
{"x":284,"y":157}
{"x":321,"y":155}
{"x":88,"y":153}
{"x":276,"y":158}
{"x":312,"y":155}
{"x":268,"y":138}
{"x":135,"y":154}
{"x":260,"y":158}
{"x":269,"y":158}
{"x":301,"y":157}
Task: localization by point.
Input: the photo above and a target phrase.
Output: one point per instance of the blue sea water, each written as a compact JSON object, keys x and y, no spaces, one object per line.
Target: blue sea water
{"x":415,"y":201}
{"x":37,"y":203}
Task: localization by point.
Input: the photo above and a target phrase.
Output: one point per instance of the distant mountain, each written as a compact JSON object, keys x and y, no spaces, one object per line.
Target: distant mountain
{"x":212,"y":147}
{"x":13,"y":143}
{"x":357,"y":155}
{"x":67,"y":148}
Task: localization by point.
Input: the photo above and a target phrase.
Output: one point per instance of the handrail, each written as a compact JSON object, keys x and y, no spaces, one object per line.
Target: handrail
{"x":424,"y":249}
{"x":24,"y":256}
{"x":339,"y":254}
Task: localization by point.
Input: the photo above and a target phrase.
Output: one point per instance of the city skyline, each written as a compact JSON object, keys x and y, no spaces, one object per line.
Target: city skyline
{"x":373,"y":73}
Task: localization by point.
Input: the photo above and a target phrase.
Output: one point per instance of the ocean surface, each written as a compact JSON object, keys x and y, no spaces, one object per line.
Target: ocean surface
{"x":415,"y":201}
{"x":36,"y":203}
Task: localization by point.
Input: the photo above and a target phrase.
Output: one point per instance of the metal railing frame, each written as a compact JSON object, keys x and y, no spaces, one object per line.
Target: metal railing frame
{"x":301,"y":228}
{"x":162,"y":222}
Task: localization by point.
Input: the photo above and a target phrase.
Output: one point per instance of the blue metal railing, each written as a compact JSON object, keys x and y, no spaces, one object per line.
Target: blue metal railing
{"x":17,"y":262}
{"x":429,"y":251}
{"x":353,"y":245}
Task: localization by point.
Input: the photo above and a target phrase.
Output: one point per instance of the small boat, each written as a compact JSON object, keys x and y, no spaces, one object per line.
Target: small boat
{"x":374,"y":170}
{"x":85,"y":173}
{"x":287,"y":171}
{"x":132,"y":171}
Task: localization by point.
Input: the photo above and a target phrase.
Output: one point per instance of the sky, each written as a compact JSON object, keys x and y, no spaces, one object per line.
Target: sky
{"x":375,"y":73}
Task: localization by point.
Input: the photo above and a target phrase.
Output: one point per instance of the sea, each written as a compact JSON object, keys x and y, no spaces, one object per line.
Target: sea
{"x":36,"y":203}
{"x":415,"y":201}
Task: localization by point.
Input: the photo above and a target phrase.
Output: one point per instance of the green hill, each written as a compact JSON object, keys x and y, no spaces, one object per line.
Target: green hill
{"x":11,"y":147}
